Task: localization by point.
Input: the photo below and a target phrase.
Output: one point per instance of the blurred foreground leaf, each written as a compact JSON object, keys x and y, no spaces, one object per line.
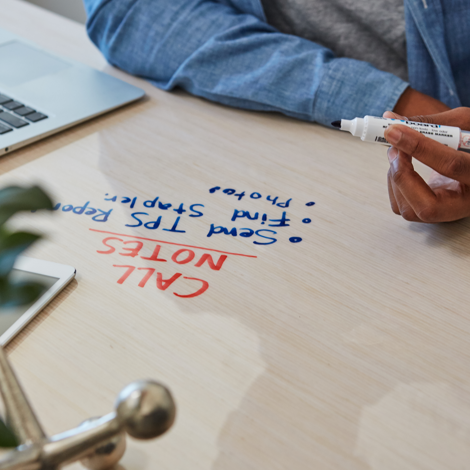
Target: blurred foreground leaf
{"x":15,"y":294}
{"x":7,"y":438}
{"x":11,"y":246}
{"x":14,"y":199}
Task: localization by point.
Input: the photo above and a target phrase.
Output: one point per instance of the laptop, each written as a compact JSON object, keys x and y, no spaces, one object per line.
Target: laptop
{"x":42,"y":93}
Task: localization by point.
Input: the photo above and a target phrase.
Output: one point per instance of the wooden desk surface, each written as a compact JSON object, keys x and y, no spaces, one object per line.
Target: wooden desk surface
{"x":347,"y":350}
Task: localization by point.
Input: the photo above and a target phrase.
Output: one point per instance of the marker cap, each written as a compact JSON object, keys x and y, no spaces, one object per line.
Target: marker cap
{"x":355,"y":127}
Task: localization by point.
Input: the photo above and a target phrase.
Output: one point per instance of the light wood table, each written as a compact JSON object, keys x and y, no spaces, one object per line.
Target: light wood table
{"x":347,"y":350}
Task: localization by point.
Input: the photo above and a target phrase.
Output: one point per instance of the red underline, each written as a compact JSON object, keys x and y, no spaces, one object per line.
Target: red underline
{"x":170,"y":243}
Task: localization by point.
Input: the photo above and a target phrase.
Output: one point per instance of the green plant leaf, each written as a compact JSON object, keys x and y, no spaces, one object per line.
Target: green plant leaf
{"x":11,"y":246}
{"x":14,"y":199}
{"x":13,"y":294}
{"x":7,"y":438}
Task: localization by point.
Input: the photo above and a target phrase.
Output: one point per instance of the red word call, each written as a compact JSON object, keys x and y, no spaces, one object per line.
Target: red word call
{"x":132,"y":249}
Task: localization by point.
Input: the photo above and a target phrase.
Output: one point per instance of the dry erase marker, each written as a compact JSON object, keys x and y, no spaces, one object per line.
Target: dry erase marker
{"x":371,"y":129}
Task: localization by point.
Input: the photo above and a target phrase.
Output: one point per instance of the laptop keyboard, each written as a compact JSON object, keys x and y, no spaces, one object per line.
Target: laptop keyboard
{"x":15,"y":115}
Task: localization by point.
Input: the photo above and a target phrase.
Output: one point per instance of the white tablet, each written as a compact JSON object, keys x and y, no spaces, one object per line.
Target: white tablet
{"x":53,"y":275}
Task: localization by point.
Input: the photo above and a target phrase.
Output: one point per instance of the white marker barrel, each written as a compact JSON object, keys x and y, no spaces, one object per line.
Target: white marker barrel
{"x":372,"y":129}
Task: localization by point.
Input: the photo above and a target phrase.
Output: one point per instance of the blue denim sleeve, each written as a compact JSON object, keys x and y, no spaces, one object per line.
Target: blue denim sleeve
{"x":214,"y":51}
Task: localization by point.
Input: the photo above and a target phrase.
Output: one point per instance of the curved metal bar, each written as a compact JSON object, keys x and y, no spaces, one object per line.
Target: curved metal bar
{"x":22,"y":458}
{"x":20,"y":415}
{"x":144,"y":409}
{"x":77,"y":443}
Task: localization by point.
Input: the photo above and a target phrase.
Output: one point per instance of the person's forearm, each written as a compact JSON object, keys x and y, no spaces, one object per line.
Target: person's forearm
{"x":412,"y":103}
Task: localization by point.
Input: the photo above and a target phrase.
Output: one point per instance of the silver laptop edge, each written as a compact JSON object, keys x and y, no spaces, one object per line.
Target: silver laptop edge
{"x":65,"y":91}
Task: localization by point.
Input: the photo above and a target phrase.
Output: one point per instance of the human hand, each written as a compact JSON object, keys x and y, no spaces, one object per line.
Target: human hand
{"x":446,"y":197}
{"x":413,"y":102}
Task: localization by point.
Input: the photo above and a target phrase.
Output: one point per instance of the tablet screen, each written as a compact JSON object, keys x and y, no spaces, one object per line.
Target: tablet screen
{"x":8,"y":316}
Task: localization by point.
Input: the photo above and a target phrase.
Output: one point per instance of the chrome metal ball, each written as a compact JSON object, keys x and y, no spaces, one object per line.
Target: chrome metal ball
{"x":146,"y":409}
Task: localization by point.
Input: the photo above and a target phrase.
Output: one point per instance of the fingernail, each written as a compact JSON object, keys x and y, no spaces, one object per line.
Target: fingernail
{"x":393,"y":135}
{"x":392,"y":154}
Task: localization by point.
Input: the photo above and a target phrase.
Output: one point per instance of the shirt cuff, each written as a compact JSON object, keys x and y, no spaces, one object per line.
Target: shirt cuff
{"x":351,"y":88}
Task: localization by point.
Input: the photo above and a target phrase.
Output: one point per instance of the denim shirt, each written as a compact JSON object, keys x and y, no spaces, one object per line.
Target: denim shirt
{"x":225,"y":51}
